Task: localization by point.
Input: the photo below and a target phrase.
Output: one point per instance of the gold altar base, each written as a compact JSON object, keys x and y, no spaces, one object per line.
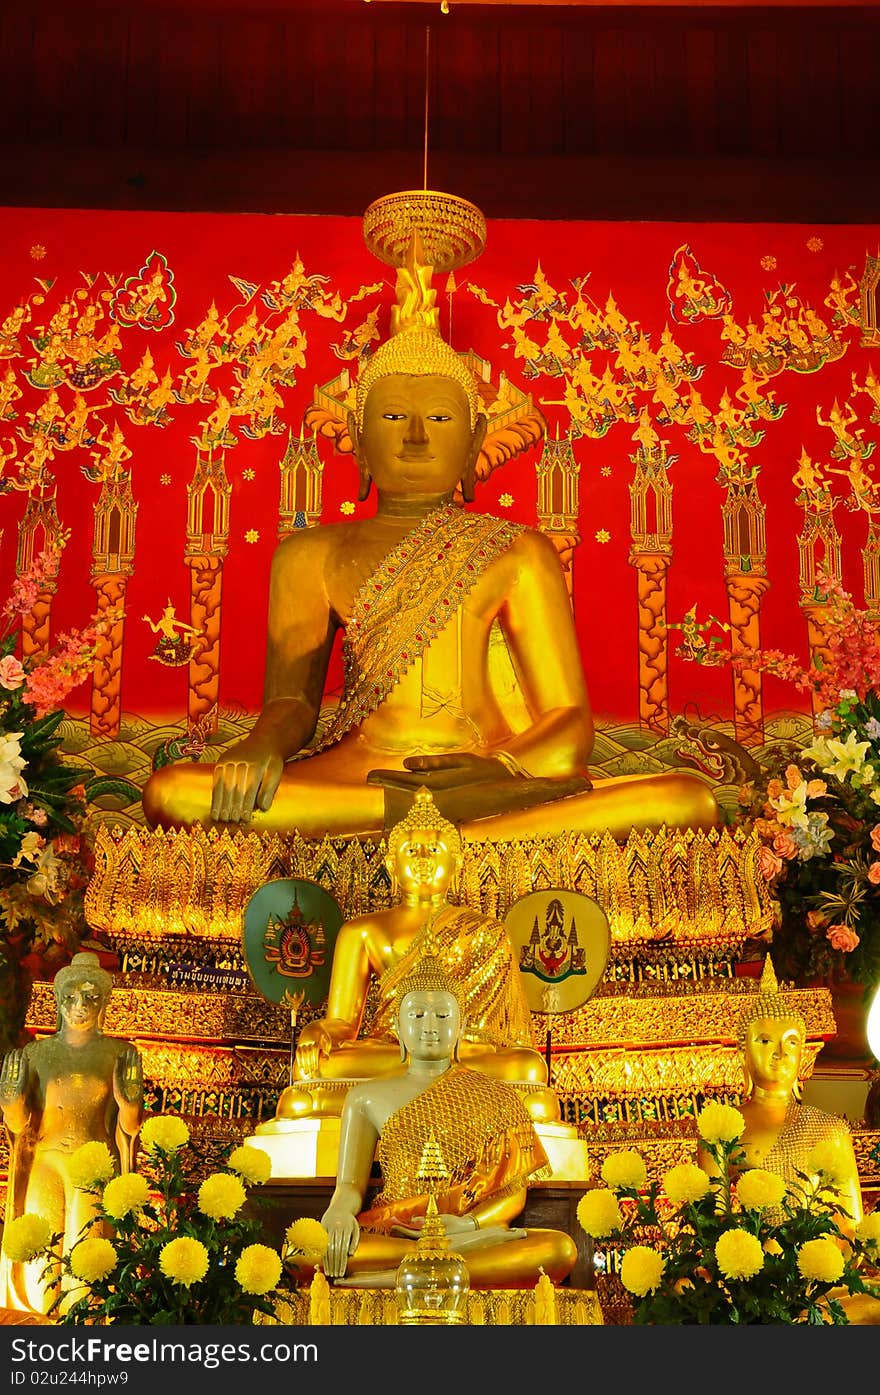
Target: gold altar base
{"x":309,"y":1148}
{"x":498,"y":1307}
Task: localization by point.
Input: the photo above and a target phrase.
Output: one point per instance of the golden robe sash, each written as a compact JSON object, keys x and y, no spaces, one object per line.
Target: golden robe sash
{"x":410,"y":597}
{"x":476,"y":951}
{"x":486,"y":1139}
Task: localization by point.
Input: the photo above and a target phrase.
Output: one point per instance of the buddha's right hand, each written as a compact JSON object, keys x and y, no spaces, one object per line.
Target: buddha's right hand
{"x":246,"y":778}
{"x":344,"y":1233}
{"x":314,"y":1042}
{"x":13,"y":1077}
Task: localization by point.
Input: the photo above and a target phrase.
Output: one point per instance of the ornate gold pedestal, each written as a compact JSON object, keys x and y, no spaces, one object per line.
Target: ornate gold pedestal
{"x":501,"y":1307}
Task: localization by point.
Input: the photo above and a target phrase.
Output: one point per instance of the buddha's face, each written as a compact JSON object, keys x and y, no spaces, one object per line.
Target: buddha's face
{"x":424,"y":863}
{"x":416,"y":436}
{"x":80,"y":1005}
{"x":773,"y":1049}
{"x":428,"y":1024}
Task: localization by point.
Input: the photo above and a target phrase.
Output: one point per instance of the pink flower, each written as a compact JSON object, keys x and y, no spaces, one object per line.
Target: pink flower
{"x":769,"y":863}
{"x":842,"y":937}
{"x":11,"y":672}
{"x":785,"y":846}
{"x":874,"y":873}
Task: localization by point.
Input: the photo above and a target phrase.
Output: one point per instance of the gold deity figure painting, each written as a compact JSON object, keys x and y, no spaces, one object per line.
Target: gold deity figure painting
{"x":487,"y":1141}
{"x":78,"y":1086}
{"x":424,"y":589}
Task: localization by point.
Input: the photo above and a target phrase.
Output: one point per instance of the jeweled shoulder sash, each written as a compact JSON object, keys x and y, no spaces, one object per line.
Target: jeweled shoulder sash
{"x":406,"y":602}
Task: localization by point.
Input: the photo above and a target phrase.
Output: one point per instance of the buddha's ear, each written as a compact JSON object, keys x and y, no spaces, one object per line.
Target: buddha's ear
{"x":364,"y":477}
{"x":469,"y":474}
{"x":456,"y":1050}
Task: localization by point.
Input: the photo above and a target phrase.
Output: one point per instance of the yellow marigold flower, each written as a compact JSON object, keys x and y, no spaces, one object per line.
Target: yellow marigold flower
{"x":719,"y":1123}
{"x":258,"y":1269}
{"x":757,"y":1189}
{"x":868,"y":1229}
{"x":772,"y":1247}
{"x":599,"y":1213}
{"x":825,"y":1159}
{"x":686,"y":1182}
{"x":92,"y":1259}
{"x":307,"y":1237}
{"x":164,"y":1131}
{"x":91,"y":1165}
{"x":125,"y":1194}
{"x":26,"y":1236}
{"x":184,"y":1260}
{"x":253,"y":1164}
{"x":821,"y":1260}
{"x":738,"y":1254}
{"x":625,"y":1169}
{"x":641,"y":1270}
{"x":221,"y":1195}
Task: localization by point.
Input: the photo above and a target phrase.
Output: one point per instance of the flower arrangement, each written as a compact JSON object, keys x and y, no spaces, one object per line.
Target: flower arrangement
{"x":817,"y":809}
{"x":159,"y":1248}
{"x":43,"y":866}
{"x":701,"y":1249}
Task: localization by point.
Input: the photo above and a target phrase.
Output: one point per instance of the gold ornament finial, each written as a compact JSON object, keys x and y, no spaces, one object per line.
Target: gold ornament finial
{"x":768,"y":982}
{"x":420,"y":232}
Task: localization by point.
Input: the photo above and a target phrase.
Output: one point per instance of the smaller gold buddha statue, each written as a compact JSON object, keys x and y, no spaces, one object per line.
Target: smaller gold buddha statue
{"x":78,"y":1086}
{"x":384,"y":947}
{"x":780,"y":1129}
{"x":489,"y":1147}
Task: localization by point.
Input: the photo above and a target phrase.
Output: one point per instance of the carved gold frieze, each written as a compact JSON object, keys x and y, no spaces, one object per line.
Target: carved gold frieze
{"x":377,"y":1307}
{"x":661,"y":1071}
{"x":685,"y":886}
{"x":177,"y":1016}
{"x":683,"y":1014}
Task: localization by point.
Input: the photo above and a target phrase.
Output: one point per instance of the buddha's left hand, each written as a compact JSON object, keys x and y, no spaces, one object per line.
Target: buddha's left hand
{"x":442,"y":771}
{"x":128,"y":1080}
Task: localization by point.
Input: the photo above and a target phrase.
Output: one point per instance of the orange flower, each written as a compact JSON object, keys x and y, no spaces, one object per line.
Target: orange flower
{"x":785,"y":845}
{"x":875,"y":837}
{"x":874,"y":873}
{"x":793,"y":778}
{"x":769,"y":862}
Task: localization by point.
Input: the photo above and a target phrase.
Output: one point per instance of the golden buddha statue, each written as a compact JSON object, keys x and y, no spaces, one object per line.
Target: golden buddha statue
{"x":487,"y":1141}
{"x":428,"y":595}
{"x":424,"y":854}
{"x":78,"y":1086}
{"x":780,"y":1130}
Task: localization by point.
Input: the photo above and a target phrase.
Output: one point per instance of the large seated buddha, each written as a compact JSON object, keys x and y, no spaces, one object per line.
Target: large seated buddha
{"x":423,"y":590}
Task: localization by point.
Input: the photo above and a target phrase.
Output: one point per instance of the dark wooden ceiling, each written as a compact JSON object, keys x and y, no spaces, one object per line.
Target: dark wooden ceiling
{"x":566,"y":110}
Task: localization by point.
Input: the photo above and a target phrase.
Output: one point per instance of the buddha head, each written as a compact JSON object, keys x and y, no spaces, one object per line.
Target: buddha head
{"x":416,"y":427}
{"x":771,"y":1037}
{"x":82,"y":990}
{"x":430,"y":1019}
{"x":424,"y":850}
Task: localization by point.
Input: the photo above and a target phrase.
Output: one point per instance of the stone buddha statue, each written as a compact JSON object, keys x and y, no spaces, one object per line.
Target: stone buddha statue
{"x":780,"y":1129}
{"x":427,"y":593}
{"x":383,"y":948}
{"x":487,"y":1142}
{"x":78,"y":1086}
